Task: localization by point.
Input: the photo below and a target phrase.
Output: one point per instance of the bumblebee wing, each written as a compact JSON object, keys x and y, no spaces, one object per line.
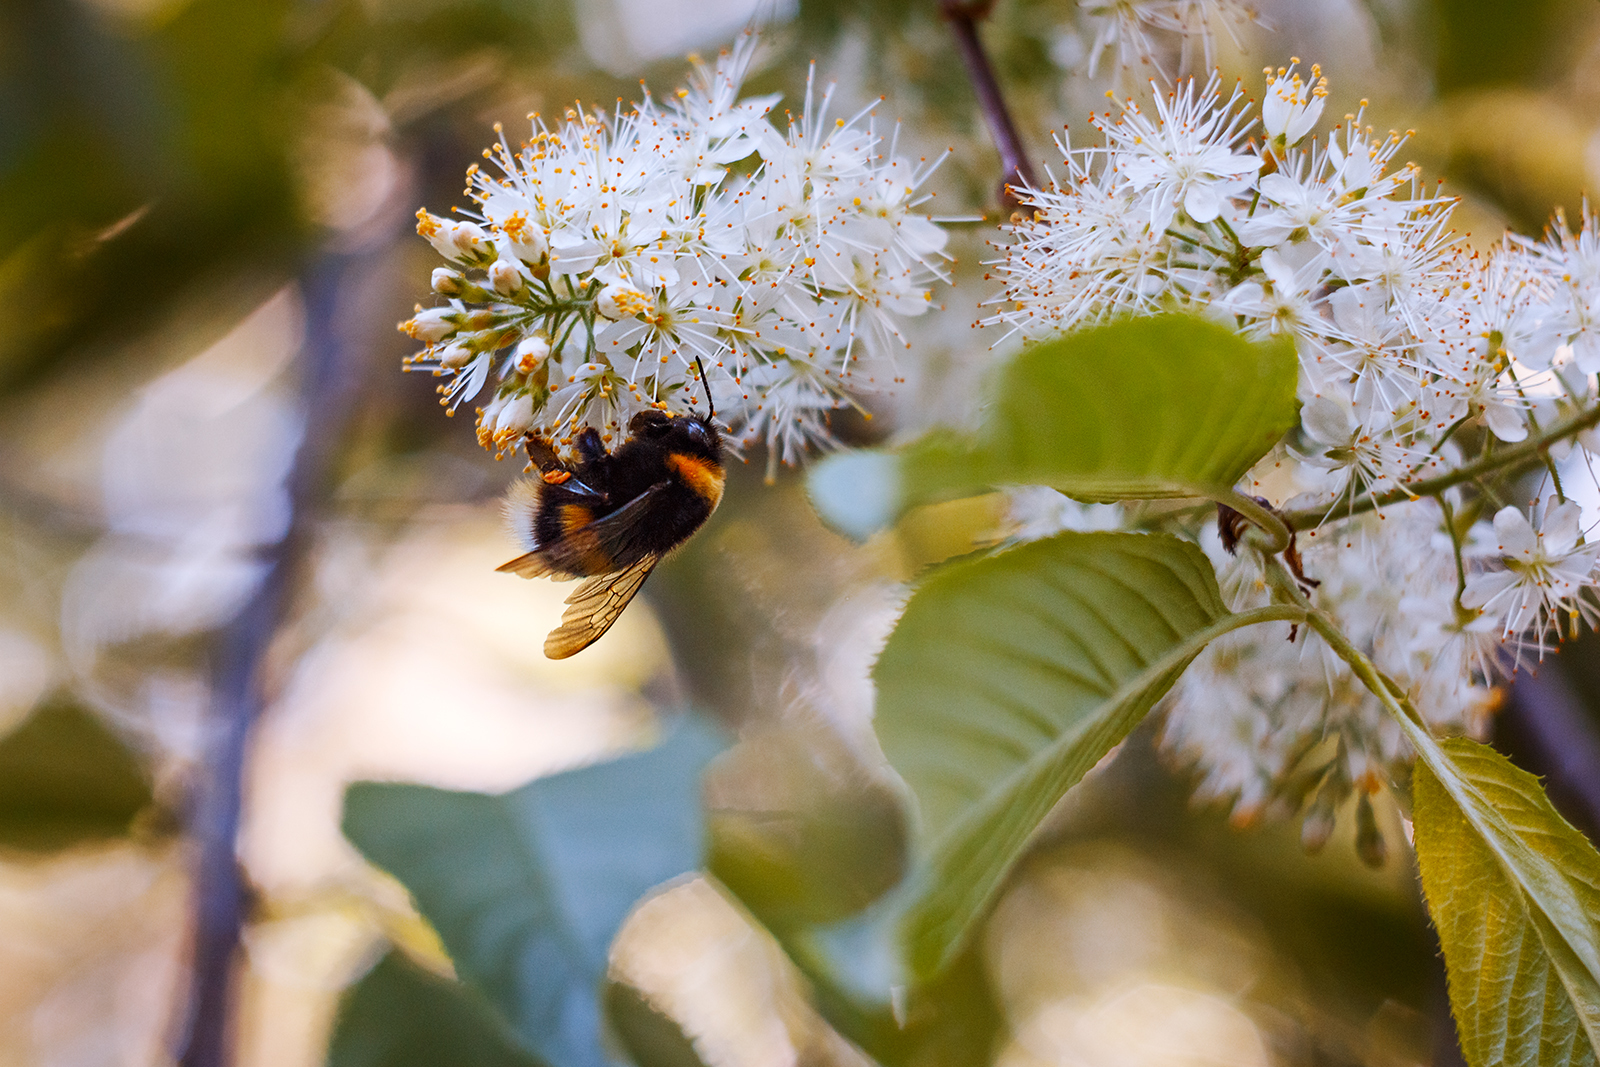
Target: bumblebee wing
{"x":594,"y":606}
{"x":588,"y":546}
{"x":534,"y":565}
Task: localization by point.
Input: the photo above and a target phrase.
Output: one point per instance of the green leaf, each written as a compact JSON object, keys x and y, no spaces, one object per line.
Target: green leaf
{"x":527,"y":888}
{"x":1006,"y":680}
{"x":399,"y":1015}
{"x":64,"y":778}
{"x":1515,"y":893}
{"x":1170,"y":406}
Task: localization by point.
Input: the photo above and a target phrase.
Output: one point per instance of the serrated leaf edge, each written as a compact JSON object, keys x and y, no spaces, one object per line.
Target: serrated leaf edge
{"x":924,"y":889}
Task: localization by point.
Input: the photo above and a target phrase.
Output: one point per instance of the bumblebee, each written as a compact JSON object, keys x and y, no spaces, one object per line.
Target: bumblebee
{"x":610,"y":517}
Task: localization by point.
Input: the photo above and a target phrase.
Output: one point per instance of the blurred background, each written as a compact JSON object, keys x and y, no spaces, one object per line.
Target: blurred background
{"x":213,"y":473}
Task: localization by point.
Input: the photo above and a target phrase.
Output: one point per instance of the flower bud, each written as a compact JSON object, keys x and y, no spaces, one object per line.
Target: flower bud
{"x":432,"y":325}
{"x":470,"y":241}
{"x":531,"y":352}
{"x":1370,"y":845}
{"x":456,"y":354}
{"x":506,"y":277}
{"x":619,"y":300}
{"x":460,"y":241}
{"x":447,"y":282}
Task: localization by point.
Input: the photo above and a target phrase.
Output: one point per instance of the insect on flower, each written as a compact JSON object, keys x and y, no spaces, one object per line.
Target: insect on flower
{"x":612,"y":516}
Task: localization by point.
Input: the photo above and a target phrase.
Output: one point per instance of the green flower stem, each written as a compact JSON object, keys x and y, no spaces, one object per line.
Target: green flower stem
{"x":1533,"y":448}
{"x":1389,"y":693}
{"x":1264,"y":519}
{"x":1455,"y":547}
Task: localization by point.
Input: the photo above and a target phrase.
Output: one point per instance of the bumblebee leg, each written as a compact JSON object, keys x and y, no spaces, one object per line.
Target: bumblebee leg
{"x":544,"y":459}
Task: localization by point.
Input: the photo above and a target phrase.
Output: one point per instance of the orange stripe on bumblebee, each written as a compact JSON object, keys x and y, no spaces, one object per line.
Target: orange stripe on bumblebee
{"x":575,"y":517}
{"x":703,"y":477}
{"x":575,"y":520}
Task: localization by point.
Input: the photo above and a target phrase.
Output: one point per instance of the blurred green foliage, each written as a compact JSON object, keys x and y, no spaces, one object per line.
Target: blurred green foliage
{"x":144,"y":160}
{"x":528,"y":889}
{"x":1485,"y":42}
{"x":400,"y":1015}
{"x":65,"y":778}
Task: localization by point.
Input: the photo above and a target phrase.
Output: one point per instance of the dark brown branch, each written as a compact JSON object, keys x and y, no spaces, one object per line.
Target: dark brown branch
{"x":220,"y":893}
{"x":1016,"y":172}
{"x":1546,"y":730}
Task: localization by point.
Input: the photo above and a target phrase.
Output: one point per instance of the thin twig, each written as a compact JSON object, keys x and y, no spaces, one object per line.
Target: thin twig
{"x":1016,"y":171}
{"x":220,"y":893}
{"x":1505,"y":458}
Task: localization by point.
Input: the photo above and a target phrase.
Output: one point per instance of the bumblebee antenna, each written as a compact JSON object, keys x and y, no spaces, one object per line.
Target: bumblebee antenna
{"x":711,"y":408}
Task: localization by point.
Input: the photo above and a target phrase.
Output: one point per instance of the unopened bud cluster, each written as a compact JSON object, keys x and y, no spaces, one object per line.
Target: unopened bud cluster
{"x":611,"y":258}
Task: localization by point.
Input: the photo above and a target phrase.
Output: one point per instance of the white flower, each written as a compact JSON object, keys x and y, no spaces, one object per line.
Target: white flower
{"x":1570,"y":264}
{"x":1544,"y":585}
{"x":464,"y":242}
{"x":1369,"y":346}
{"x":1404,"y":257}
{"x":1283,"y":300}
{"x":1037,"y":511}
{"x":1366,"y":457}
{"x":790,"y":415}
{"x":1185,"y":159}
{"x":1086,"y":252}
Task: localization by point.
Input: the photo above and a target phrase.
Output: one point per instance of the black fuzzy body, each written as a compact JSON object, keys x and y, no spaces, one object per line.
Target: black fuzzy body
{"x":641,"y":501}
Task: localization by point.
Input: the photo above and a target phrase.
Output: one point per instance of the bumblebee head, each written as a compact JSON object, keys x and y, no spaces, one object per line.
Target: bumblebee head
{"x":702,"y":435}
{"x":692,"y":434}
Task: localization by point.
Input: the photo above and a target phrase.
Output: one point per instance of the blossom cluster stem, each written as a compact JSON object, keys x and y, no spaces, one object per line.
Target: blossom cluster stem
{"x":1389,"y":694}
{"x":1327,"y":628}
{"x":1016,"y":171}
{"x":1535,"y":447}
{"x":1264,"y":519}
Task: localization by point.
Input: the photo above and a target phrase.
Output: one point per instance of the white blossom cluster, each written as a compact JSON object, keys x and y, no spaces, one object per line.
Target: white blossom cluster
{"x":1417,"y":358}
{"x":610,"y":258}
{"x":1264,"y":718}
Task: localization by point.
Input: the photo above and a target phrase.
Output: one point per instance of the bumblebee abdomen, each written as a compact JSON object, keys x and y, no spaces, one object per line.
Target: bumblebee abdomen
{"x":562,"y":531}
{"x":674,"y":515}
